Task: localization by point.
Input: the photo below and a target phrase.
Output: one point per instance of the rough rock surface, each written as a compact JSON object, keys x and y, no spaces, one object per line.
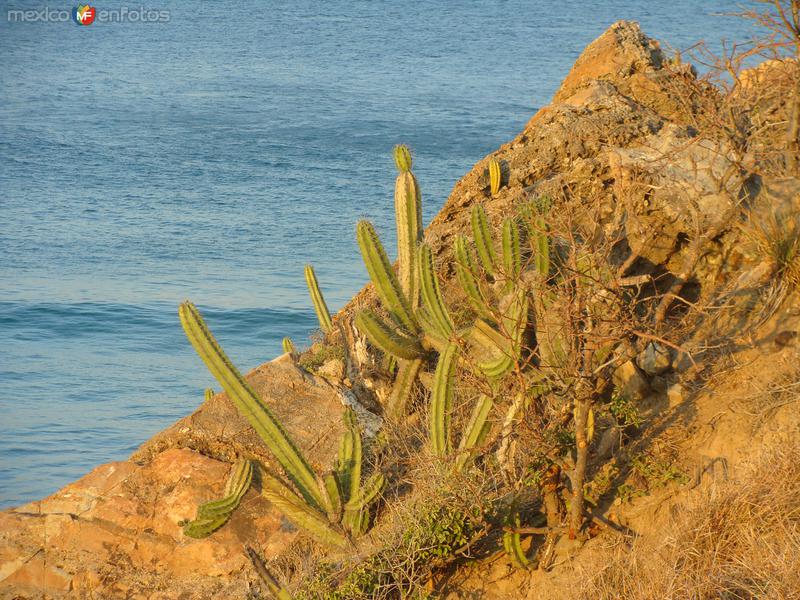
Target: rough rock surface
{"x":615,"y":131}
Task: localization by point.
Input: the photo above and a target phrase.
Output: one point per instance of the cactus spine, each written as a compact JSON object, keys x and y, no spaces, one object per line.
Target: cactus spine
{"x":323,"y":315}
{"x":408,"y":219}
{"x":213,"y":515}
{"x":442,"y":399}
{"x":495,"y":176}
{"x":249,"y":404}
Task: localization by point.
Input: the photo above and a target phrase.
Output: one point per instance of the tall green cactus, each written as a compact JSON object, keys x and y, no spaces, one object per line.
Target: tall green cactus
{"x":249,"y":404}
{"x":323,"y":315}
{"x":213,"y":515}
{"x":392,"y":340}
{"x":495,"y":176}
{"x":408,"y":219}
{"x":512,"y":256}
{"x":468,"y":277}
{"x":288,"y":346}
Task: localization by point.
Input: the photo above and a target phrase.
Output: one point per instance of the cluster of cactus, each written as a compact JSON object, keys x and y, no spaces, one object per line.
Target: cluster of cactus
{"x":331,"y":507}
{"x":512,"y":543}
{"x":419,"y":322}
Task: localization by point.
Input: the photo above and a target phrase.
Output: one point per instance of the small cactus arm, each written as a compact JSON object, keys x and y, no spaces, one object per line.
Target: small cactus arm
{"x":442,"y":399}
{"x":299,"y":512}
{"x":323,"y":315}
{"x":390,"y":339}
{"x":475,"y":432}
{"x":328,"y":485}
{"x":276,"y":591}
{"x":513,"y":547}
{"x":349,"y":463}
{"x":288,"y":346}
{"x":408,"y":218}
{"x":213,"y":515}
{"x":495,"y":176}
{"x":249,"y":404}
{"x":209,"y":394}
{"x":435,"y":308}
{"x":407,"y":372}
{"x":383,"y":277}
{"x":356,"y":511}
{"x":483,"y":239}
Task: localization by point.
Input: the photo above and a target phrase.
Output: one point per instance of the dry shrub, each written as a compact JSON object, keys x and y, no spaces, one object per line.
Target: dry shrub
{"x":735,"y":540}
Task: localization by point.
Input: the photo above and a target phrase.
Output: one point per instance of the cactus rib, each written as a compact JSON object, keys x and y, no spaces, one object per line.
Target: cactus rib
{"x":323,"y":315}
{"x":442,"y":399}
{"x":383,"y":277}
{"x":248,"y":403}
{"x":392,"y":340}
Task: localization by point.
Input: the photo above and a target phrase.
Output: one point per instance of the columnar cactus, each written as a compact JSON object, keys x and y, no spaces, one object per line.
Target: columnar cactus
{"x":483,"y":239}
{"x":209,"y":394}
{"x":408,"y":218}
{"x":495,"y":176}
{"x":442,"y":399}
{"x":213,"y":515}
{"x":322,"y":503}
{"x":323,"y":315}
{"x":513,"y":547}
{"x":288,"y":346}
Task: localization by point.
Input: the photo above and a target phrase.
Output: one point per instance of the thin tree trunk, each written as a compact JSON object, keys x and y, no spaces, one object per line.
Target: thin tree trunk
{"x":579,"y":474}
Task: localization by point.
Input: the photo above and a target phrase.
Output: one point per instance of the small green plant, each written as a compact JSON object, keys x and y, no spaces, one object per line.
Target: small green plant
{"x":624,"y":411}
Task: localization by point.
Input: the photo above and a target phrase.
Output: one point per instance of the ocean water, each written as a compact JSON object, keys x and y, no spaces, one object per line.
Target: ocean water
{"x":210,"y":158}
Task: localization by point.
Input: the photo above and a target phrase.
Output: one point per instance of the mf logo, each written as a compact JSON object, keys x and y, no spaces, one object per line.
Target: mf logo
{"x":84,"y":14}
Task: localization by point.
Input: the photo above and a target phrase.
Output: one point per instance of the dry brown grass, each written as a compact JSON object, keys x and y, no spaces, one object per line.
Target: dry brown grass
{"x":735,"y":540}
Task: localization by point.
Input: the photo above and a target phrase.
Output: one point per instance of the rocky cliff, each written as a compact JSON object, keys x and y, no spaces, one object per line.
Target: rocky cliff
{"x":624,"y":132}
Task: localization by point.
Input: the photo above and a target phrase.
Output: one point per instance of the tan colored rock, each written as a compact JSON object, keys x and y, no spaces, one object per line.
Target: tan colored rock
{"x":630,"y":382}
{"x":333,"y":370}
{"x":117,"y":531}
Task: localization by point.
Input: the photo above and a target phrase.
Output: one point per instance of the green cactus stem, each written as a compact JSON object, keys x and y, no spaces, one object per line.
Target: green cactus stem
{"x":512,"y":257}
{"x":209,"y":394}
{"x":323,"y":315}
{"x":402,"y":158}
{"x":213,"y":515}
{"x":249,"y":404}
{"x":349,"y":463}
{"x":407,"y":372}
{"x":432,"y":295}
{"x":383,"y":277}
{"x":331,"y":496}
{"x":408,"y":219}
{"x":288,"y":346}
{"x":299,"y":512}
{"x":541,"y":243}
{"x":475,"y":432}
{"x":467,"y":275}
{"x":495,"y":176}
{"x":513,"y":546}
{"x":391,"y":340}
{"x":483,"y":239}
{"x":442,"y":399}
{"x":356,"y":511}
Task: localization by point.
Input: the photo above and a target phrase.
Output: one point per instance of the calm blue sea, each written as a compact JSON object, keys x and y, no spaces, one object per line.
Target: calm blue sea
{"x":210,"y":158}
